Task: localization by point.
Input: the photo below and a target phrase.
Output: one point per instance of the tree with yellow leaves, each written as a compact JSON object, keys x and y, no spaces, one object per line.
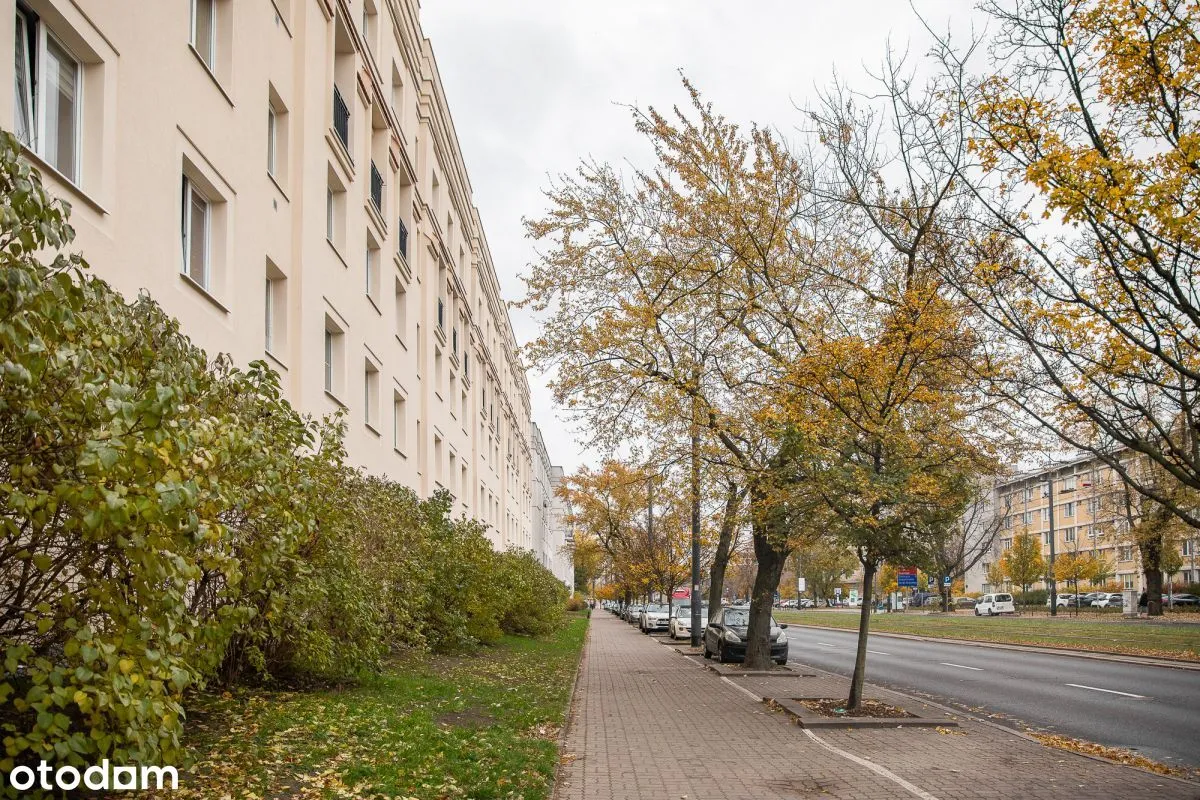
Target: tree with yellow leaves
{"x":1084,"y":127}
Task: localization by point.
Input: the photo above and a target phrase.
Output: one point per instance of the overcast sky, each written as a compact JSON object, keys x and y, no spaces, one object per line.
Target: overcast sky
{"x":536,"y":85}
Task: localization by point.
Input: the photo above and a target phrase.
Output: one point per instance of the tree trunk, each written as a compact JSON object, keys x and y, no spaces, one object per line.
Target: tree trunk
{"x":864,"y":625}
{"x":771,"y":552}
{"x":1154,"y":592}
{"x":716,"y":573}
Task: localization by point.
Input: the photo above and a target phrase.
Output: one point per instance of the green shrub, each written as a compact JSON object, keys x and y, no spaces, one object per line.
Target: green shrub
{"x":576,"y":603}
{"x":166,"y":521}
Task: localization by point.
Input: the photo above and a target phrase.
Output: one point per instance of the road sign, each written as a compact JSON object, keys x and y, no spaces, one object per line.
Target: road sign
{"x":946,"y":580}
{"x":837,"y":591}
{"x":801,"y":585}
{"x":906,"y":577}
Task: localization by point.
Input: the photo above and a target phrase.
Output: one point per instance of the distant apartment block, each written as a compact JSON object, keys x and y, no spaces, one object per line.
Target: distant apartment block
{"x":284,"y":177}
{"x":1089,"y":516}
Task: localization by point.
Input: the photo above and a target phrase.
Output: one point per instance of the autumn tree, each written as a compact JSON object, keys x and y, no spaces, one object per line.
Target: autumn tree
{"x":1023,"y":562}
{"x":996,"y":575}
{"x":1083,"y":126}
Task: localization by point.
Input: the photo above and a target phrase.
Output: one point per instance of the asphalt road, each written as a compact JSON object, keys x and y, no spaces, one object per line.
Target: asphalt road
{"x":1153,"y":710}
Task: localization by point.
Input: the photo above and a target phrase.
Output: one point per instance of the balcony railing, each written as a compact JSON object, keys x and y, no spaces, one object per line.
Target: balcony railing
{"x":402,"y":238}
{"x":376,"y":188}
{"x":441,"y":314}
{"x":341,"y":118}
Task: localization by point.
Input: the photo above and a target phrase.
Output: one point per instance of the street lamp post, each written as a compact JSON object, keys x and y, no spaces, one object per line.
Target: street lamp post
{"x":1053,"y":582}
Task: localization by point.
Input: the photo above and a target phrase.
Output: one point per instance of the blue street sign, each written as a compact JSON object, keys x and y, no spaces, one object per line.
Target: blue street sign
{"x":946,"y":580}
{"x":906,"y":579}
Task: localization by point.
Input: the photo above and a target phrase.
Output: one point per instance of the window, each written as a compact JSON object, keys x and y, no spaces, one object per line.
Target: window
{"x":335,"y":210}
{"x":275,"y":311}
{"x":372,"y":270}
{"x":1127,"y":581}
{"x":399,"y":422}
{"x":1046,"y":514}
{"x":1069,"y":509}
{"x":1005,"y":544}
{"x":47,"y":101}
{"x":401,"y":310}
{"x":334,"y":357}
{"x":370,"y":394}
{"x":195,"y":225}
{"x":1068,"y":484}
{"x":1027,"y":518}
{"x":437,"y":372}
{"x":437,"y":458}
{"x":1189,"y":547}
{"x":1028,"y":494}
{"x":277,"y":137}
{"x":1046,"y":538}
{"x":272,"y":127}
{"x":1126,"y":553}
{"x":204,"y":31}
{"x":1069,"y":534}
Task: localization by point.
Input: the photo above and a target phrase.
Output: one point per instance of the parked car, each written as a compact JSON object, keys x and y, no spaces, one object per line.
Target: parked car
{"x":992,"y":604}
{"x":854,"y":602}
{"x":1109,"y":600}
{"x":632,"y":614}
{"x":654,"y":617}
{"x":725,"y":636}
{"x":1181,"y":600}
{"x":806,"y":602}
{"x":1066,"y":600}
{"x":964,"y":602}
{"x":680,"y":626}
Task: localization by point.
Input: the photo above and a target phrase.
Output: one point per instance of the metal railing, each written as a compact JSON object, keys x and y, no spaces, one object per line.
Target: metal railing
{"x":376,"y":188}
{"x":341,"y":118}
{"x":402,"y":238}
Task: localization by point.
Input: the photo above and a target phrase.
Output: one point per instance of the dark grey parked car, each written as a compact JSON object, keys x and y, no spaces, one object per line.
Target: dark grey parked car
{"x":725,"y":636}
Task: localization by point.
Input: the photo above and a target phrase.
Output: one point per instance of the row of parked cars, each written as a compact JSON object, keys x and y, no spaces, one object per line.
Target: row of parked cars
{"x":1116,"y":600}
{"x":724,"y":636}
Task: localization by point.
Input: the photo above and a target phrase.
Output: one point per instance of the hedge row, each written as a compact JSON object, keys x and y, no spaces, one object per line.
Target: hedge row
{"x":167,"y":522}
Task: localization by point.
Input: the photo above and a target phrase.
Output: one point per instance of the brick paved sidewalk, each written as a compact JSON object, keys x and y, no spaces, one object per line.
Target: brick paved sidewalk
{"x":647,"y":722}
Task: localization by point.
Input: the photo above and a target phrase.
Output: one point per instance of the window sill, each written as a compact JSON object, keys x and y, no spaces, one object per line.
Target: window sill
{"x":203,"y":292}
{"x":400,"y":453}
{"x":279,"y":186}
{"x":44,"y":166}
{"x":372,"y":429}
{"x":401,"y":341}
{"x":374,"y":304}
{"x":376,"y":217}
{"x":335,"y":399}
{"x":340,"y":152}
{"x":337,"y":253}
{"x":276,"y":359}
{"x":208,"y":71}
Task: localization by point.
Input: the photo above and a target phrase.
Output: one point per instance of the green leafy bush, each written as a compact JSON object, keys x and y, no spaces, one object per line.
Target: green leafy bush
{"x":166,"y":521}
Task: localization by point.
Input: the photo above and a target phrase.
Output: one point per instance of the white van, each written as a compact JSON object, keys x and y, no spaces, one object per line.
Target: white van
{"x":992,"y":604}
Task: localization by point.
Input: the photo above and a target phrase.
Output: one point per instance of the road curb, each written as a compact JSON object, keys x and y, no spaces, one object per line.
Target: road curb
{"x":1168,"y":663}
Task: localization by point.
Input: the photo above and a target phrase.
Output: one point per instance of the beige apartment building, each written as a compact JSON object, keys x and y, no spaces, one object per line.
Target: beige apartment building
{"x":1089,"y":516}
{"x":284,"y":177}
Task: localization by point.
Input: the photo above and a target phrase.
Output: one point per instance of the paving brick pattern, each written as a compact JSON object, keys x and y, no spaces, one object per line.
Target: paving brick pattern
{"x":648,"y":722}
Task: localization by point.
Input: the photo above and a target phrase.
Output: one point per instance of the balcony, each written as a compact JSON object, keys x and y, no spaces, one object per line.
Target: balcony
{"x":376,"y":188}
{"x":402,"y":239}
{"x":441,"y":317}
{"x":341,"y":118}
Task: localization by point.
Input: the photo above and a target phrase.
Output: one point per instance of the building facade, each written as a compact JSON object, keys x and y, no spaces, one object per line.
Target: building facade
{"x":1089,"y":516}
{"x":552,"y":542}
{"x":284,"y":177}
{"x":561,"y":529}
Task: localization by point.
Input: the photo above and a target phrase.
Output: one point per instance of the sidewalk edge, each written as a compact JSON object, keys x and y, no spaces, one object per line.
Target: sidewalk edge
{"x":569,"y":717}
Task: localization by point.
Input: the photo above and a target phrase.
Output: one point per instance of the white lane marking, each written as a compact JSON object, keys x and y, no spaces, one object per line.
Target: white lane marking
{"x":878,"y":770}
{"x":876,"y":652}
{"x":1109,"y":691}
{"x":742,"y":689}
{"x":960,"y":666}
{"x":824,"y":644}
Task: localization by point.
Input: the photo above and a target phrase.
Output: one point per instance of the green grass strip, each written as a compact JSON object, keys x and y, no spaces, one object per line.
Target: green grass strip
{"x":1179,"y":640}
{"x":483,"y":725}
